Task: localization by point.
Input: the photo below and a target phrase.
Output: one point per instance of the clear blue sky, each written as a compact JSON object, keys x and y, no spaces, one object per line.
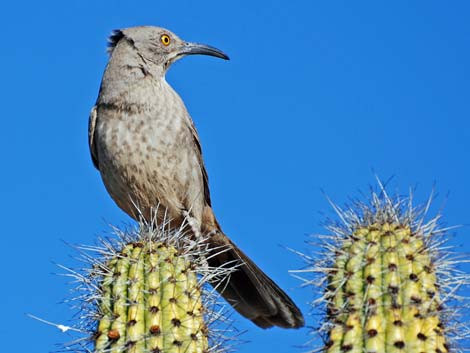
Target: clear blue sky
{"x":317,"y":96}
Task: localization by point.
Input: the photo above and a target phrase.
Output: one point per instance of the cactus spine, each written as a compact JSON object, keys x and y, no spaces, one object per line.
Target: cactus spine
{"x":387,"y":281}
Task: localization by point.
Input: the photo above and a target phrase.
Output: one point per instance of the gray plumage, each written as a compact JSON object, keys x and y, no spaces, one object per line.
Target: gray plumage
{"x":145,"y":145}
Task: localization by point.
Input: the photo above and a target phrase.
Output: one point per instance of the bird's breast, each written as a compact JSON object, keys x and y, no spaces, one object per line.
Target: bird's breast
{"x":146,"y":149}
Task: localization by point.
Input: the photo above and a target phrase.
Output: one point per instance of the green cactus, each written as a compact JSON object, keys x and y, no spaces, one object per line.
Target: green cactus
{"x":151,"y":303}
{"x":147,"y":291}
{"x":383,"y":295}
{"x":387,"y":281}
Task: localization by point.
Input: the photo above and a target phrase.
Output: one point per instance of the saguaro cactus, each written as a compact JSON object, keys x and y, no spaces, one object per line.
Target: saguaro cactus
{"x":146,"y":292}
{"x":387,"y":281}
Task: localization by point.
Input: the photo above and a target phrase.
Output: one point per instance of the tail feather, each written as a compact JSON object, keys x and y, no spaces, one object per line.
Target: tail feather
{"x":250,"y":291}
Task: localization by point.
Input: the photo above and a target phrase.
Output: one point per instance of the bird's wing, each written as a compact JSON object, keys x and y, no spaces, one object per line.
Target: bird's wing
{"x":205,"y":177}
{"x":91,"y":134}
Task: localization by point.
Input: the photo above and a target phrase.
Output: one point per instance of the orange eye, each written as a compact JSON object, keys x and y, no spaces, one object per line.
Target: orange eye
{"x":165,"y":39}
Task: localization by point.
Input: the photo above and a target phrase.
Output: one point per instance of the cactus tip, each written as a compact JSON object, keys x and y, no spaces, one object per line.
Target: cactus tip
{"x":384,"y":270}
{"x":148,"y":264}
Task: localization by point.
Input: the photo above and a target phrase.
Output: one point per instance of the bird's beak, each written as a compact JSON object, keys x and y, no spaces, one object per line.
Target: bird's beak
{"x":202,"y":49}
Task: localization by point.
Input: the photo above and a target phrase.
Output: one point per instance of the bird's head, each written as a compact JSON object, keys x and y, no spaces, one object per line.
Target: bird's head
{"x":160,"y":46}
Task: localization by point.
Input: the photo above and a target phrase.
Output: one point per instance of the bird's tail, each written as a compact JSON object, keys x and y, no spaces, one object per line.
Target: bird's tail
{"x":249,"y":290}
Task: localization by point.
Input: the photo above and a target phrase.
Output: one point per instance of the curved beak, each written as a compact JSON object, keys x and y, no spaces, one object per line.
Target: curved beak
{"x":202,"y":49}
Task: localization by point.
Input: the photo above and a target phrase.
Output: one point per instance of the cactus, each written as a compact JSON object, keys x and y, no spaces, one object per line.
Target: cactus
{"x":387,"y":282}
{"x":383,"y":295}
{"x":151,"y":303}
{"x":146,"y":292}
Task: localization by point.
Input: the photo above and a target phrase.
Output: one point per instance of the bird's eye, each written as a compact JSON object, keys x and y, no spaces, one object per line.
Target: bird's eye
{"x":165,"y":39}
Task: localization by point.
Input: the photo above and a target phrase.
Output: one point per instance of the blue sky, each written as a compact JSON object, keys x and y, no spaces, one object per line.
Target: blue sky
{"x":317,"y":96}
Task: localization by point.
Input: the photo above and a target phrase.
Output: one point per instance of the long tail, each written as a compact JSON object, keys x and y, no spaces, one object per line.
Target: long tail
{"x":250,"y":291}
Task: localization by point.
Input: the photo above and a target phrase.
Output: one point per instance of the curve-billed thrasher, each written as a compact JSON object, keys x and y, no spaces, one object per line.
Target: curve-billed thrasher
{"x":146,"y":147}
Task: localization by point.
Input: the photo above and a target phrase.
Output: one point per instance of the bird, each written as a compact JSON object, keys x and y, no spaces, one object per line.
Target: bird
{"x":145,"y":145}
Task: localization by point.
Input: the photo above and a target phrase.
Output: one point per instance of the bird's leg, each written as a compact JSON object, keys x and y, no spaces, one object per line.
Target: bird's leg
{"x":193,"y":223}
